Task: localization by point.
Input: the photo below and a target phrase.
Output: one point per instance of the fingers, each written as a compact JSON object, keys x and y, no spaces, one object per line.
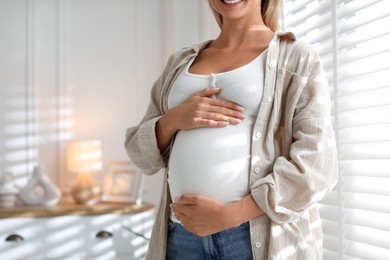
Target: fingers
{"x":226,"y":104}
{"x":187,"y":199}
{"x":190,"y":224}
{"x":217,"y":116}
{"x":208,"y":92}
{"x":226,"y":114}
{"x":214,"y":120}
{"x":215,"y":110}
{"x":200,"y":111}
{"x":182,"y":211}
{"x":203,"y":123}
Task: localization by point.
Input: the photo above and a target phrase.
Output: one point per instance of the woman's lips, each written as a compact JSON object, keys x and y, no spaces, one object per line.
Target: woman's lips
{"x":231,"y":2}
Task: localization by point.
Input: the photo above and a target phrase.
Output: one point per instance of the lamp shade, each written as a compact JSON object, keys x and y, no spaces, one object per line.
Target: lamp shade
{"x":84,"y":156}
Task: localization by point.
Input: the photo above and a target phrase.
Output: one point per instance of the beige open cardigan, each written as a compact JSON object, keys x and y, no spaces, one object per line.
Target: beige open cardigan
{"x":294,"y":156}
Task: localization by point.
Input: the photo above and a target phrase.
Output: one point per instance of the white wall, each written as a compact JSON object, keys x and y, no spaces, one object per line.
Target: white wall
{"x":74,"y":69}
{"x":13,"y":90}
{"x":110,"y":62}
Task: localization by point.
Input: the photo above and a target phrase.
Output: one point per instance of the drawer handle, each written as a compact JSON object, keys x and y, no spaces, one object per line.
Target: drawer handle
{"x":14,"y":238}
{"x":103,"y":234}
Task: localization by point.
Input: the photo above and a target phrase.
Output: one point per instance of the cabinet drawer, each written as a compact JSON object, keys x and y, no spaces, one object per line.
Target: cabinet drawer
{"x":77,"y":237}
{"x":21,"y":238}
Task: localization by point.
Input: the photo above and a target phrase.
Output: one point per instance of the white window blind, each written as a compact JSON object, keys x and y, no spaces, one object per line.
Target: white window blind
{"x":353,"y":40}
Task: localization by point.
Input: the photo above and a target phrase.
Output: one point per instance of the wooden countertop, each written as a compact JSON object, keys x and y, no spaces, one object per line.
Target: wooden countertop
{"x":70,"y":208}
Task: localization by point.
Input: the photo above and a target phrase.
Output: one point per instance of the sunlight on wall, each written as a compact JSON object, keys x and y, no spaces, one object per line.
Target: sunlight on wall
{"x":31,"y":134}
{"x":17,"y":152}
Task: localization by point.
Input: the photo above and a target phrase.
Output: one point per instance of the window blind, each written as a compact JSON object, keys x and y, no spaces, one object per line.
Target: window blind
{"x":353,"y":39}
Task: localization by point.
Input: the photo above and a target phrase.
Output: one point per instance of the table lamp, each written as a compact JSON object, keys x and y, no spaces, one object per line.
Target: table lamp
{"x":84,"y":157}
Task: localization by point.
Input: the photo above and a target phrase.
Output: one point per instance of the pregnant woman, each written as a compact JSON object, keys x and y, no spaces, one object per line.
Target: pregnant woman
{"x":242,"y":126}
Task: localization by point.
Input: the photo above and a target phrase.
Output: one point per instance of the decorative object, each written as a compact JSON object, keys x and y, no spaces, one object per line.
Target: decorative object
{"x":123,"y":183}
{"x":40,"y":190}
{"x":84,"y":157}
{"x":8,"y":191}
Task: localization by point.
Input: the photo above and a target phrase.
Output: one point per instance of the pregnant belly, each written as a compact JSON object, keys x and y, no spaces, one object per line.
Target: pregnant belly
{"x":211,"y":162}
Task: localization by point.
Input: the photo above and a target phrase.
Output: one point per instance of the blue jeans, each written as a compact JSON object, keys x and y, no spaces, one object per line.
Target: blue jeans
{"x":231,"y":244}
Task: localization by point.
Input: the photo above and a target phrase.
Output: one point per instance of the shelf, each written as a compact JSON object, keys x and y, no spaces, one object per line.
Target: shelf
{"x":70,"y":208}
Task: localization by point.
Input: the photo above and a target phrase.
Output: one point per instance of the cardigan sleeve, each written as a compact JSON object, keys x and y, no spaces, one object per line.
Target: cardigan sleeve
{"x":310,"y":170}
{"x":141,"y":141}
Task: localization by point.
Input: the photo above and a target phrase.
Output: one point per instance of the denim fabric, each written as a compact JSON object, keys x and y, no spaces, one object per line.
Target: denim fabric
{"x":229,"y":244}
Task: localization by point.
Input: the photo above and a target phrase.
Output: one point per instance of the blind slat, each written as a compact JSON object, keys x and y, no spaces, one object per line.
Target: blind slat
{"x":364,"y":83}
{"x":332,"y":227}
{"x":373,"y":64}
{"x":346,"y":9}
{"x":368,"y":33}
{"x":317,"y":25}
{"x":373,"y":168}
{"x":369,"y":185}
{"x":350,"y":25}
{"x":365,"y":151}
{"x":369,"y":202}
{"x":296,"y":6}
{"x":363,"y":218}
{"x":306,"y":12}
{"x":365,"y":116}
{"x":374,"y":99}
{"x":362,"y":54}
{"x":359,"y":250}
{"x":364,"y":134}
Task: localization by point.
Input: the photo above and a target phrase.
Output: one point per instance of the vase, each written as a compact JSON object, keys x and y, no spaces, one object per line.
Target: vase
{"x":40,"y":190}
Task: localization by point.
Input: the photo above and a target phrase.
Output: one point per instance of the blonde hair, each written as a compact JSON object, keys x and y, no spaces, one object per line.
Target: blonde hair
{"x":270,"y":11}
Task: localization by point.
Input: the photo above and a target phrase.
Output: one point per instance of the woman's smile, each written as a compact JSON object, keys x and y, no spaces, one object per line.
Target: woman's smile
{"x":231,"y":2}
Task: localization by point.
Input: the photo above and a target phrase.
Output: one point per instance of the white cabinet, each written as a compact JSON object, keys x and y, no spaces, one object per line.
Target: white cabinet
{"x":77,"y":234}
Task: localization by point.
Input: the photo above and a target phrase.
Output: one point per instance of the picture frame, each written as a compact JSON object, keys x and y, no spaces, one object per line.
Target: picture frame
{"x":123,"y":183}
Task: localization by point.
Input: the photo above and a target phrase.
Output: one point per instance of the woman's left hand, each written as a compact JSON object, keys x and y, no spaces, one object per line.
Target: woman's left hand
{"x":202,"y":215}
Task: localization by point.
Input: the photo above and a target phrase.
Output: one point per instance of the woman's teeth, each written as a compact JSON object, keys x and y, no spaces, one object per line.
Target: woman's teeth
{"x":231,"y":1}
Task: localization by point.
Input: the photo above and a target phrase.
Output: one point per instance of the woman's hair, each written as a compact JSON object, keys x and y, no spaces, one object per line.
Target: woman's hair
{"x":270,"y":10}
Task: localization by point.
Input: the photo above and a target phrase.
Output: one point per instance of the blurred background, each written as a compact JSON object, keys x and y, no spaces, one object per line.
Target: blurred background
{"x":82,"y":69}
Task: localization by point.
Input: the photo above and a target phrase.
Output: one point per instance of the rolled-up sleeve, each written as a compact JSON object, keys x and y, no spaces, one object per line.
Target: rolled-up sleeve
{"x":310,"y":169}
{"x":141,"y":140}
{"x":142,"y":148}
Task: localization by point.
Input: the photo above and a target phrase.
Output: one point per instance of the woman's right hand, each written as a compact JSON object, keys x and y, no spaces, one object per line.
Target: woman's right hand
{"x":198,"y":111}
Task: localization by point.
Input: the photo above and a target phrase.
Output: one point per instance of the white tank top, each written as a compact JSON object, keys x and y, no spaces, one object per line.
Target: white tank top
{"x":215,"y":161}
